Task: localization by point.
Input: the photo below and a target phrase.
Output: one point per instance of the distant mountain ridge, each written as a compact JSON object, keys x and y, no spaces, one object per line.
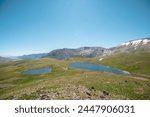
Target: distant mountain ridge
{"x":139,"y":45}
{"x":5,"y":59}
{"x":32,"y":56}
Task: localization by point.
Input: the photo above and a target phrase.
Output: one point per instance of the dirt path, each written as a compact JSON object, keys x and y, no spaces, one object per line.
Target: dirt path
{"x":140,"y":78}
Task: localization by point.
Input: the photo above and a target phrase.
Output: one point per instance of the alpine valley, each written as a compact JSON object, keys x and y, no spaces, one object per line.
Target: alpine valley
{"x":66,"y":82}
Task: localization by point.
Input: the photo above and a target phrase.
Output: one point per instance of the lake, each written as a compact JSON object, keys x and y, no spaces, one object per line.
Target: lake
{"x":97,"y":67}
{"x":38,"y":71}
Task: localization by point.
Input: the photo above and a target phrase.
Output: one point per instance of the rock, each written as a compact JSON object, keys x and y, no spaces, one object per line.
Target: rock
{"x":105,"y":93}
{"x":102,"y":96}
{"x":44,"y":97}
{"x":92,"y":88}
{"x":89,"y":94}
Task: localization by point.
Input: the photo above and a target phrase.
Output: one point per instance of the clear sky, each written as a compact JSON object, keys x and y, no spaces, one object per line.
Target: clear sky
{"x":36,"y":26}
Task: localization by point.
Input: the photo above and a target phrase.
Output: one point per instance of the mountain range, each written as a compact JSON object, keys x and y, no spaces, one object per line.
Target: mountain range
{"x":32,"y":56}
{"x":139,"y":45}
{"x":79,"y":52}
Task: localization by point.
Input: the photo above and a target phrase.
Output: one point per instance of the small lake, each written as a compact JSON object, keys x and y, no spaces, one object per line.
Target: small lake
{"x":97,"y":67}
{"x":38,"y":71}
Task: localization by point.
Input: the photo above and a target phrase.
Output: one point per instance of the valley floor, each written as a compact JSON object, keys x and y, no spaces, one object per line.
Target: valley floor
{"x":68,"y":83}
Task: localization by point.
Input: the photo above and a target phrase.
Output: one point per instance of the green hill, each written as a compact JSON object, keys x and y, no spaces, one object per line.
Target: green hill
{"x":136,"y":63}
{"x":69,"y":83}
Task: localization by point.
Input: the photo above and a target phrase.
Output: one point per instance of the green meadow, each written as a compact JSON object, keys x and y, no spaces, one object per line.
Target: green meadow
{"x":16,"y":85}
{"x":138,"y":64}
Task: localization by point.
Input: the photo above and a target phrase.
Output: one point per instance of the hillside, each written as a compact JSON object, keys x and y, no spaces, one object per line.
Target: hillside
{"x":81,"y":84}
{"x":135,"y":46}
{"x":79,"y":52}
{"x":135,"y":63}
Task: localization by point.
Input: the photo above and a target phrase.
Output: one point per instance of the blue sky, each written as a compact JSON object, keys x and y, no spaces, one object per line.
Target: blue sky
{"x":36,"y":26}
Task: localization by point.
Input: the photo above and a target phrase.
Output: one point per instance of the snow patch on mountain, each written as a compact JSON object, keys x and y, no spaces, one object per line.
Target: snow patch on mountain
{"x":145,"y":41}
{"x":136,"y":42}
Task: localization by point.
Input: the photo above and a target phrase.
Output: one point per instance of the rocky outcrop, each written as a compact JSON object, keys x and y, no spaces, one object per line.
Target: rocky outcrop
{"x":73,"y":92}
{"x":80,"y":52}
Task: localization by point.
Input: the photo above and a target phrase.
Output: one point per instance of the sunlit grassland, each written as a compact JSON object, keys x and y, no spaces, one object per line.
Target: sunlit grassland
{"x":136,"y":63}
{"x":16,"y":85}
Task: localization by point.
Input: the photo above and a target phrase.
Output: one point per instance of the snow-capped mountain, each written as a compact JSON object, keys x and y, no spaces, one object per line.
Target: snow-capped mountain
{"x":140,"y":45}
{"x":136,"y":43}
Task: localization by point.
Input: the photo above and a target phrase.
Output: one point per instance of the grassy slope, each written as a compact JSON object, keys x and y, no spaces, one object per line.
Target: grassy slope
{"x":136,"y":63}
{"x":15,"y":85}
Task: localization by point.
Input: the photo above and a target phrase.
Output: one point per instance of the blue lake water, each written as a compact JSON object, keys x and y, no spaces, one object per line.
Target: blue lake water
{"x":38,"y":71}
{"x":97,"y":67}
